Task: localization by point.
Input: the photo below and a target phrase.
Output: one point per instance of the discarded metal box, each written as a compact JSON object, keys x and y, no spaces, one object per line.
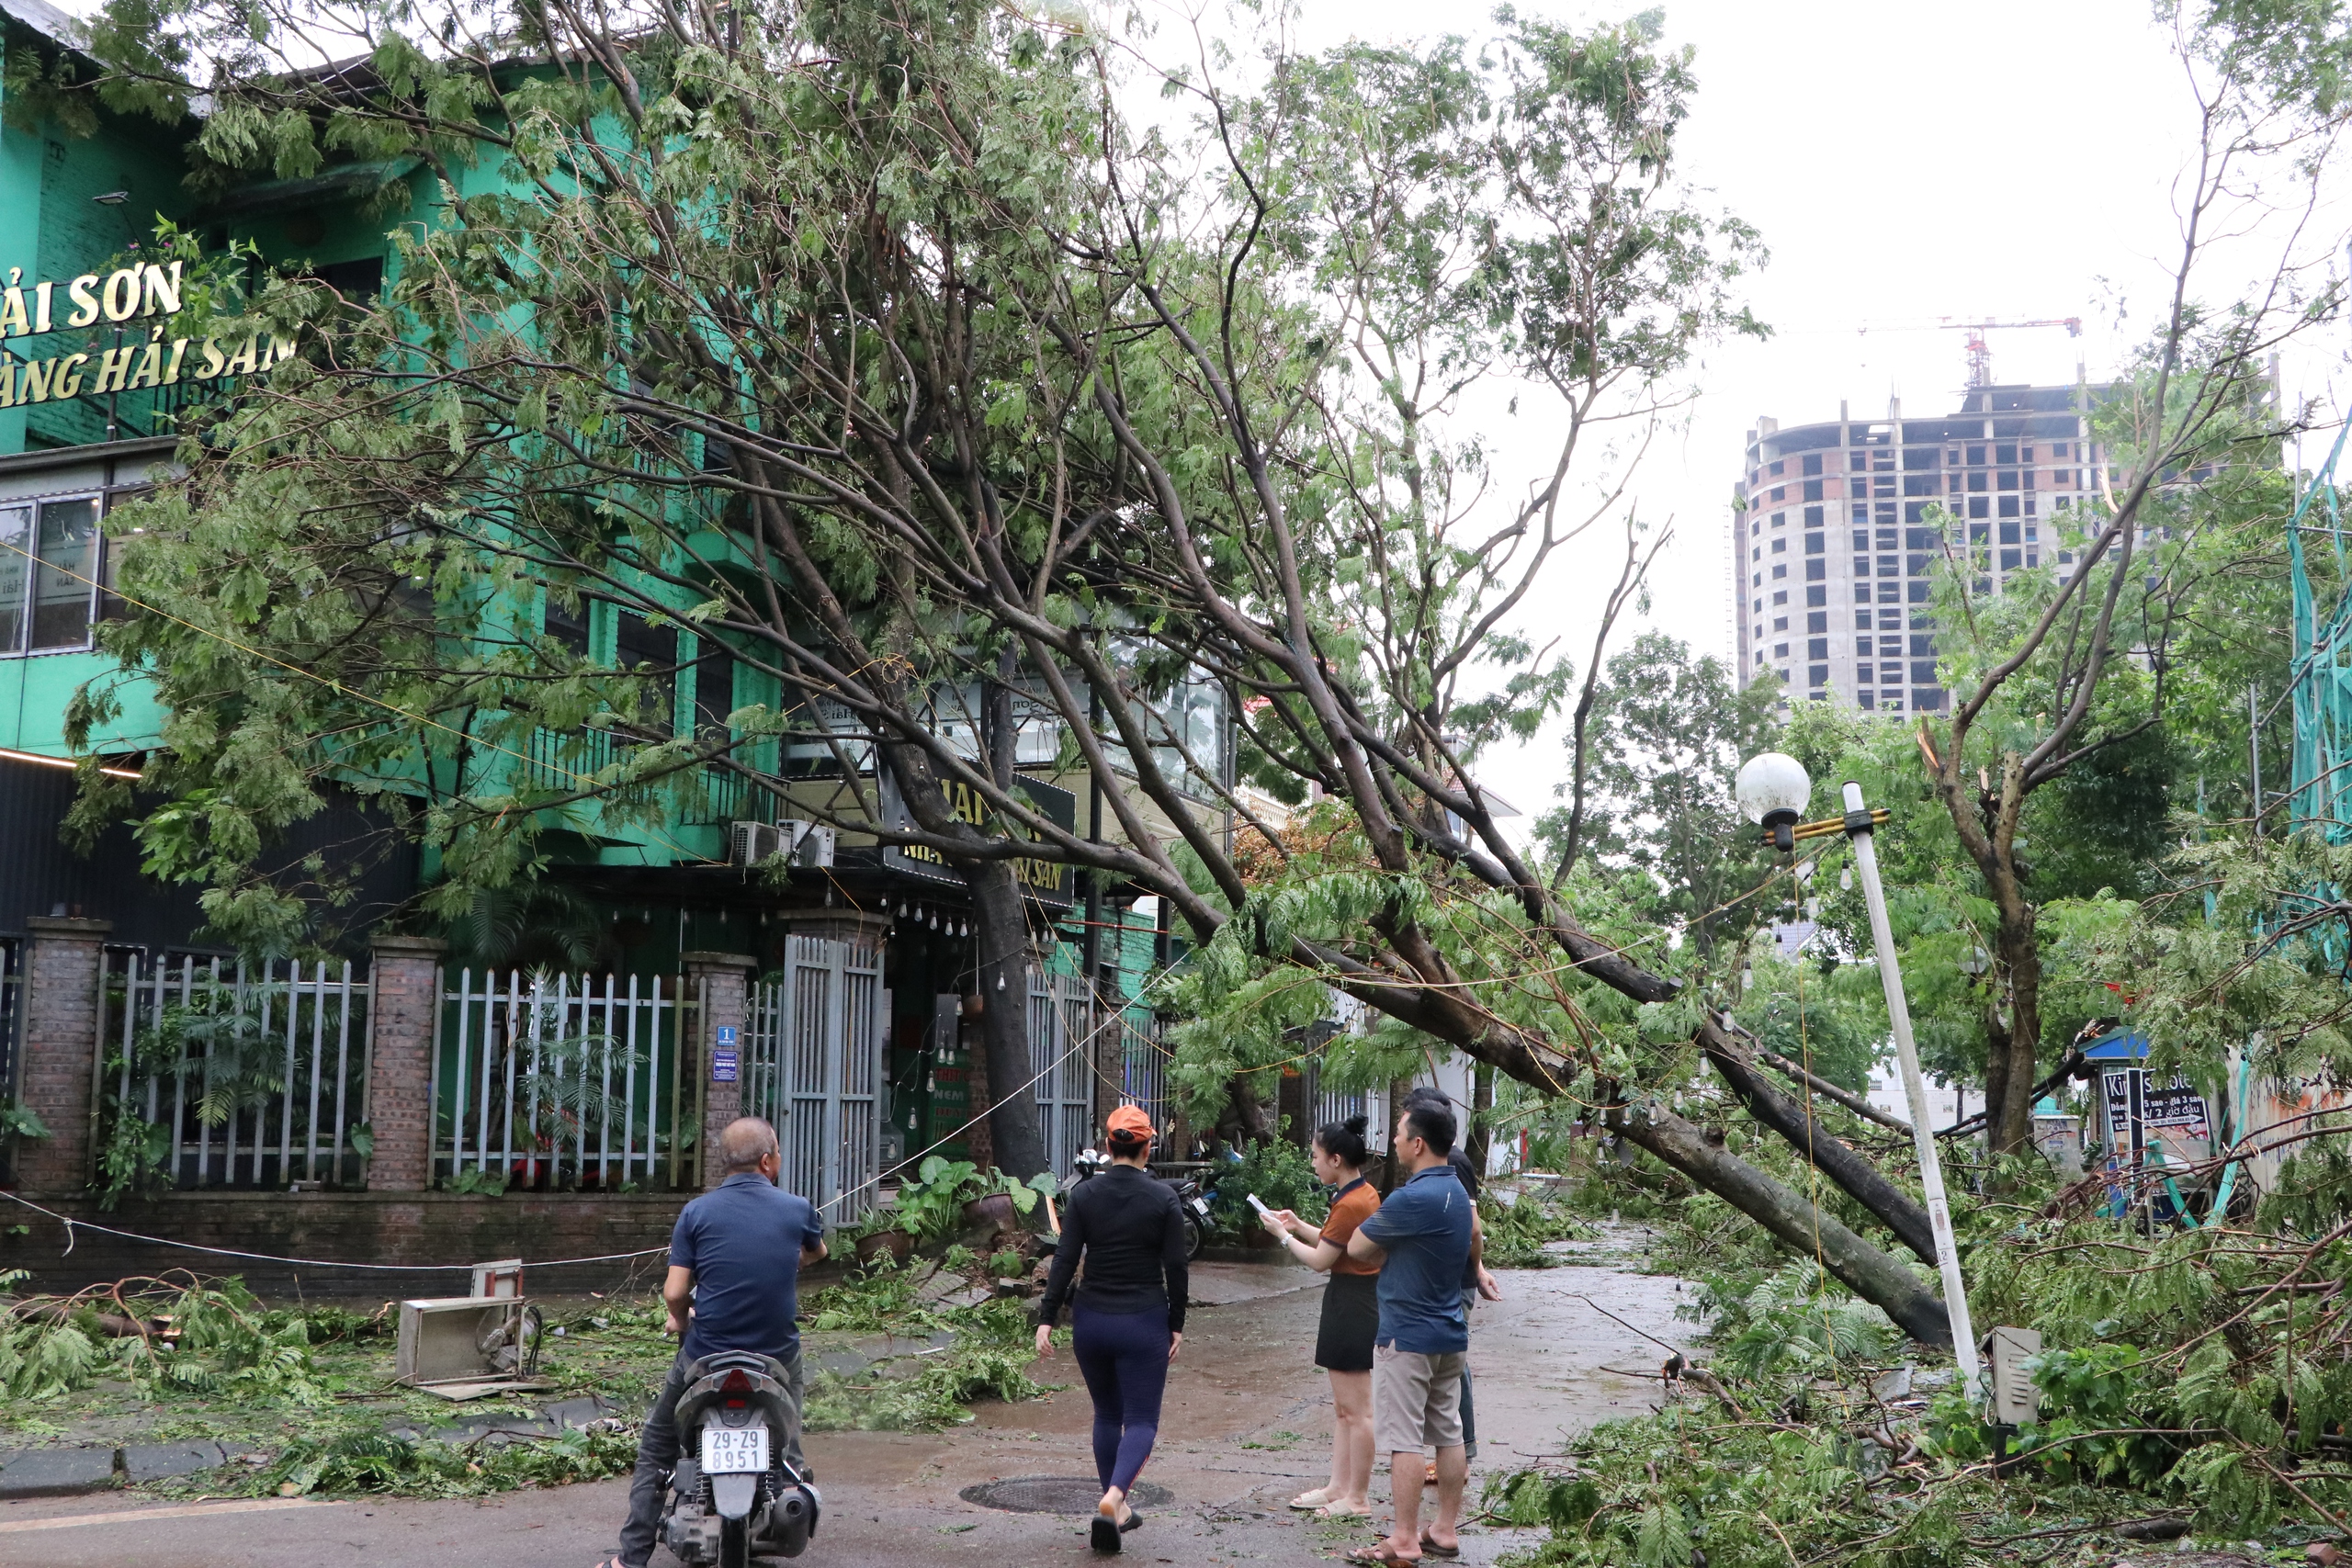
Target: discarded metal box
{"x":504,"y":1278}
{"x":2016,"y":1402}
{"x":463,"y":1347}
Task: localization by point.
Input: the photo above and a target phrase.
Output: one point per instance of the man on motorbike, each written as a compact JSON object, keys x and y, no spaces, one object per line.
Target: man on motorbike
{"x":735,"y":1262}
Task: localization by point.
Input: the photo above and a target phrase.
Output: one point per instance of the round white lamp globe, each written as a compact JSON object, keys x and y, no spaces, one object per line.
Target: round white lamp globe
{"x":1773,"y":790}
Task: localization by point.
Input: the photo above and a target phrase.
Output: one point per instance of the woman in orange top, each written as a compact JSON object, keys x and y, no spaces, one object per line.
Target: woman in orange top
{"x":1350,"y":1315}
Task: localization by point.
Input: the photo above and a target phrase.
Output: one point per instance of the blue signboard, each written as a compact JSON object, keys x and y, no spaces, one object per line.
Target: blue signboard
{"x":722,"y":1063}
{"x":726,"y":1037}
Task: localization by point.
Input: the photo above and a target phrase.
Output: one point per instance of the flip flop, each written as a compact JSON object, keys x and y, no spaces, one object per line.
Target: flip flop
{"x":1329,"y":1512}
{"x":1104,"y":1535}
{"x":1380,"y":1557}
{"x":1134,"y":1521}
{"x":1434,"y":1549}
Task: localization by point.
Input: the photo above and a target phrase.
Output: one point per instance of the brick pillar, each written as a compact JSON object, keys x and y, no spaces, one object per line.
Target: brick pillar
{"x":58,"y":1053}
{"x":401,"y":1030}
{"x":725,"y":978}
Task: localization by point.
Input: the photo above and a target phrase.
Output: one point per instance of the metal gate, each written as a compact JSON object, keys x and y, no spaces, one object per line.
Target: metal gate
{"x":1143,"y":1062}
{"x":235,"y":1076}
{"x":814,"y":1071}
{"x":1061,"y":1035}
{"x":554,"y":1081}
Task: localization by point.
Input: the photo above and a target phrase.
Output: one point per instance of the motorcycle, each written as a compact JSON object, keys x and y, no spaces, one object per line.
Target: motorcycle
{"x":1190,"y":1201}
{"x":733,"y":1495}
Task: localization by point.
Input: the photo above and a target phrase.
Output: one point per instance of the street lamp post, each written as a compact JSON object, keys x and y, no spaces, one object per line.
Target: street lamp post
{"x":1773,"y":791}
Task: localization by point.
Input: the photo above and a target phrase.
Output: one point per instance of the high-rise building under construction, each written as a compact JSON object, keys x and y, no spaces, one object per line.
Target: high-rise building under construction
{"x":1834,"y":547}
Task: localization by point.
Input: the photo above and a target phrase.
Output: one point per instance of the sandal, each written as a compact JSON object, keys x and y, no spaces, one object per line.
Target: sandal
{"x":1134,"y":1521}
{"x":1306,"y":1502}
{"x":1330,"y":1511}
{"x":1379,"y":1556}
{"x":1104,"y":1535}
{"x":1432,"y":1548}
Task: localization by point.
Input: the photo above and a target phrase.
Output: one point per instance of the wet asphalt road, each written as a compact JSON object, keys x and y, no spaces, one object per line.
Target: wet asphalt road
{"x":1244,"y":1428}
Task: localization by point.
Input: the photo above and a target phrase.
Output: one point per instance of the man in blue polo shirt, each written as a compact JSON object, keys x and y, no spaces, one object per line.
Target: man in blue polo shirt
{"x":735,"y":1262}
{"x":1425,"y":1236}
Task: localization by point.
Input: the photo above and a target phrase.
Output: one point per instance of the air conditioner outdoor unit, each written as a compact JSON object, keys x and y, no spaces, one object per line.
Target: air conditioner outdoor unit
{"x":808,"y":844}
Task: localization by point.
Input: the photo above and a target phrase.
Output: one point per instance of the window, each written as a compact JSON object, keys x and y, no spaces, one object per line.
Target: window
{"x":1918,"y":591}
{"x":1778,"y":469}
{"x":46,"y":601}
{"x":1759,"y":581}
{"x":1863,"y":699}
{"x":1812,"y":489}
{"x":1780,"y":651}
{"x":1861,"y":511}
{"x":1817,"y":622}
{"x":2033,"y":558}
{"x":1953,"y":488}
{"x":1917,"y":565}
{"x":1886,"y":538}
{"x":2010,"y":560}
{"x":1884,"y":512}
{"x":1927,"y":700}
{"x":1890,"y":620}
{"x":2008,"y":505}
{"x":1818,"y":675}
{"x":1861,"y":538}
{"x":1813,"y":544}
{"x":1920,"y":484}
{"x":2025,"y":454}
{"x":2008,"y":533}
{"x":1922,"y":646}
{"x":2006,"y":452}
{"x":1861,"y":620}
{"x":2032,"y":533}
{"x":1883,"y":487}
{"x":1779,"y":622}
{"x":2006,"y":479}
{"x":1921,"y":539}
{"x":1782,"y":597}
{"x":1756,"y":528}
{"x":1780,"y":570}
{"x":1779,"y":492}
{"x":1813,"y":464}
{"x":2025,"y":479}
{"x":1914,"y":511}
{"x":1818,"y":647}
{"x":1977,"y":455}
{"x":1890,"y":566}
{"x":2029,"y":506}
{"x":569,"y":627}
{"x":1891,"y":702}
{"x":1759,"y":606}
{"x":1951,"y":458}
{"x":1862,"y":647}
{"x":1858,"y":461}
{"x":2065,"y":557}
{"x":1977,"y":507}
{"x":715,"y":688}
{"x":1812,"y":516}
{"x":1919,"y":457}
{"x":1977,"y":481}
{"x":1923,"y":673}
{"x":1756,"y":554}
{"x":1882,"y":462}
{"x":1780,"y":545}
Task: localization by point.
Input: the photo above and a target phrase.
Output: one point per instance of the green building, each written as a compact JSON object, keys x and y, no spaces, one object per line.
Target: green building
{"x":94,"y":381}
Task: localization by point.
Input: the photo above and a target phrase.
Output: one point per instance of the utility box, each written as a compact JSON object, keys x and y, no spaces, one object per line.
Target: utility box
{"x":2016,"y":1402}
{"x":504,"y":1278}
{"x":463,"y":1347}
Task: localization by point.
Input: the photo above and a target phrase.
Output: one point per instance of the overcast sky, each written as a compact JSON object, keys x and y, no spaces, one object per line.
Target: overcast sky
{"x":2003,"y":160}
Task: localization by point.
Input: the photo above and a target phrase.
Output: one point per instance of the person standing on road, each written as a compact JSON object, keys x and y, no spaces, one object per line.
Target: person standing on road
{"x":1350,"y":1315}
{"x":1475,"y":1280}
{"x":735,"y":1260}
{"x":1127,"y":1318}
{"x":1424,"y":1237}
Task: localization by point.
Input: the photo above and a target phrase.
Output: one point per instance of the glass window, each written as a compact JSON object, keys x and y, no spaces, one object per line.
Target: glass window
{"x":48,"y":561}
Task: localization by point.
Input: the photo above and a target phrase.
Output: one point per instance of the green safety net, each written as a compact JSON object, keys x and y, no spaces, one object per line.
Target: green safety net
{"x":2321,"y":680}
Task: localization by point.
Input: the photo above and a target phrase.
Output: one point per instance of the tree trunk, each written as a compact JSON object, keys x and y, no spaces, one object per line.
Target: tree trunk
{"x":2010,"y":1095}
{"x":1477,"y":1136}
{"x":1888,"y":1203}
{"x":1003,"y":936}
{"x":1804,"y":1230}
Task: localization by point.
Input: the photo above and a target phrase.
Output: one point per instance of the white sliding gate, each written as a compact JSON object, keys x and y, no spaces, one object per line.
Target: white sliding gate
{"x":813,"y":1068}
{"x":1062,"y":1052}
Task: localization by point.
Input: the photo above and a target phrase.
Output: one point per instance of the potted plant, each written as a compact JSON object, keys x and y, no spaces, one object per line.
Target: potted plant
{"x":1002,"y":1199}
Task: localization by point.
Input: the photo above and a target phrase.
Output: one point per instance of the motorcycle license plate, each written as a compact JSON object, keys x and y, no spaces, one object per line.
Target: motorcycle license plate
{"x":734,"y":1451}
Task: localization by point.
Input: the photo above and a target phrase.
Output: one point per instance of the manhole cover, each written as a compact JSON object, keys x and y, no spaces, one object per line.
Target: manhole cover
{"x":1057,"y":1495}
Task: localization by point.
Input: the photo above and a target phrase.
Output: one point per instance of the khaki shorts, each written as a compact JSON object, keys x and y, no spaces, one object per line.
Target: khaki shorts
{"x":1416,"y":1400}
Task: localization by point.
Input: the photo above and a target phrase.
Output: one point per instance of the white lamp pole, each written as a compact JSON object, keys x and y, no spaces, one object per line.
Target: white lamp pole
{"x":1915,"y":1090}
{"x":1773,"y":790}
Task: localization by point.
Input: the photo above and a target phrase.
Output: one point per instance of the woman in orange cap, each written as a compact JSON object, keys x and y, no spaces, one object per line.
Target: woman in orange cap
{"x":1129,"y":1316}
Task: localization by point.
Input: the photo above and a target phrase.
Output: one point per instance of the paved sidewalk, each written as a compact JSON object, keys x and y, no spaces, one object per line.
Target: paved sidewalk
{"x":1245,"y":1428}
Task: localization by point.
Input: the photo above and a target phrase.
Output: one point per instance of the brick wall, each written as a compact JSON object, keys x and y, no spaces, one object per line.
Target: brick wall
{"x":407,"y":971}
{"x":724,"y":978}
{"x":57,"y":1051}
{"x":372,"y":1227}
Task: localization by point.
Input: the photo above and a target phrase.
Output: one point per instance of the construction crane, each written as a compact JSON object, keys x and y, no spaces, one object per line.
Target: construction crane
{"x":1980,"y":353}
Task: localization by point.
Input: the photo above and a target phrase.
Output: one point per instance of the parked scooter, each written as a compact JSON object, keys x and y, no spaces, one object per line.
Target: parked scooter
{"x":1190,"y":1198}
{"x":733,"y":1495}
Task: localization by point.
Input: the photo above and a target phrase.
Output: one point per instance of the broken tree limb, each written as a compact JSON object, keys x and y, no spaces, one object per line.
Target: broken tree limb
{"x":1827,"y":1090}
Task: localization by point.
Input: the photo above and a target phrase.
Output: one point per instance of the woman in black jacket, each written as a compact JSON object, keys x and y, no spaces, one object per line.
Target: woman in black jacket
{"x":1127,"y":1317}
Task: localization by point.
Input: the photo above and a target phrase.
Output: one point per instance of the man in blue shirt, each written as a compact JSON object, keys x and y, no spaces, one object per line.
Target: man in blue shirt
{"x":735,"y":1262}
{"x":1425,"y":1237}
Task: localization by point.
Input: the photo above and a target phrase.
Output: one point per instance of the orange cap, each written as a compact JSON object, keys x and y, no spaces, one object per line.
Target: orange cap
{"x":1131,"y":1121}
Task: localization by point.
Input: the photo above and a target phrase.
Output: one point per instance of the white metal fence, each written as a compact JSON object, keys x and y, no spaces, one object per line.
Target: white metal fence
{"x":813,"y":1065}
{"x":1062,"y":1052}
{"x":236,"y":1075}
{"x":1143,"y":1065}
{"x":554,"y":1081}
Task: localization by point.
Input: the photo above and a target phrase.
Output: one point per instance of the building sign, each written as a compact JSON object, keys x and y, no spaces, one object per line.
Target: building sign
{"x":126,"y":295}
{"x":1049,"y":882}
{"x":2139,"y":1112}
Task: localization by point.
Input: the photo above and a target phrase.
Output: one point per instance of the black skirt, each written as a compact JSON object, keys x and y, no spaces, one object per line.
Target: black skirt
{"x":1350,"y":1323}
